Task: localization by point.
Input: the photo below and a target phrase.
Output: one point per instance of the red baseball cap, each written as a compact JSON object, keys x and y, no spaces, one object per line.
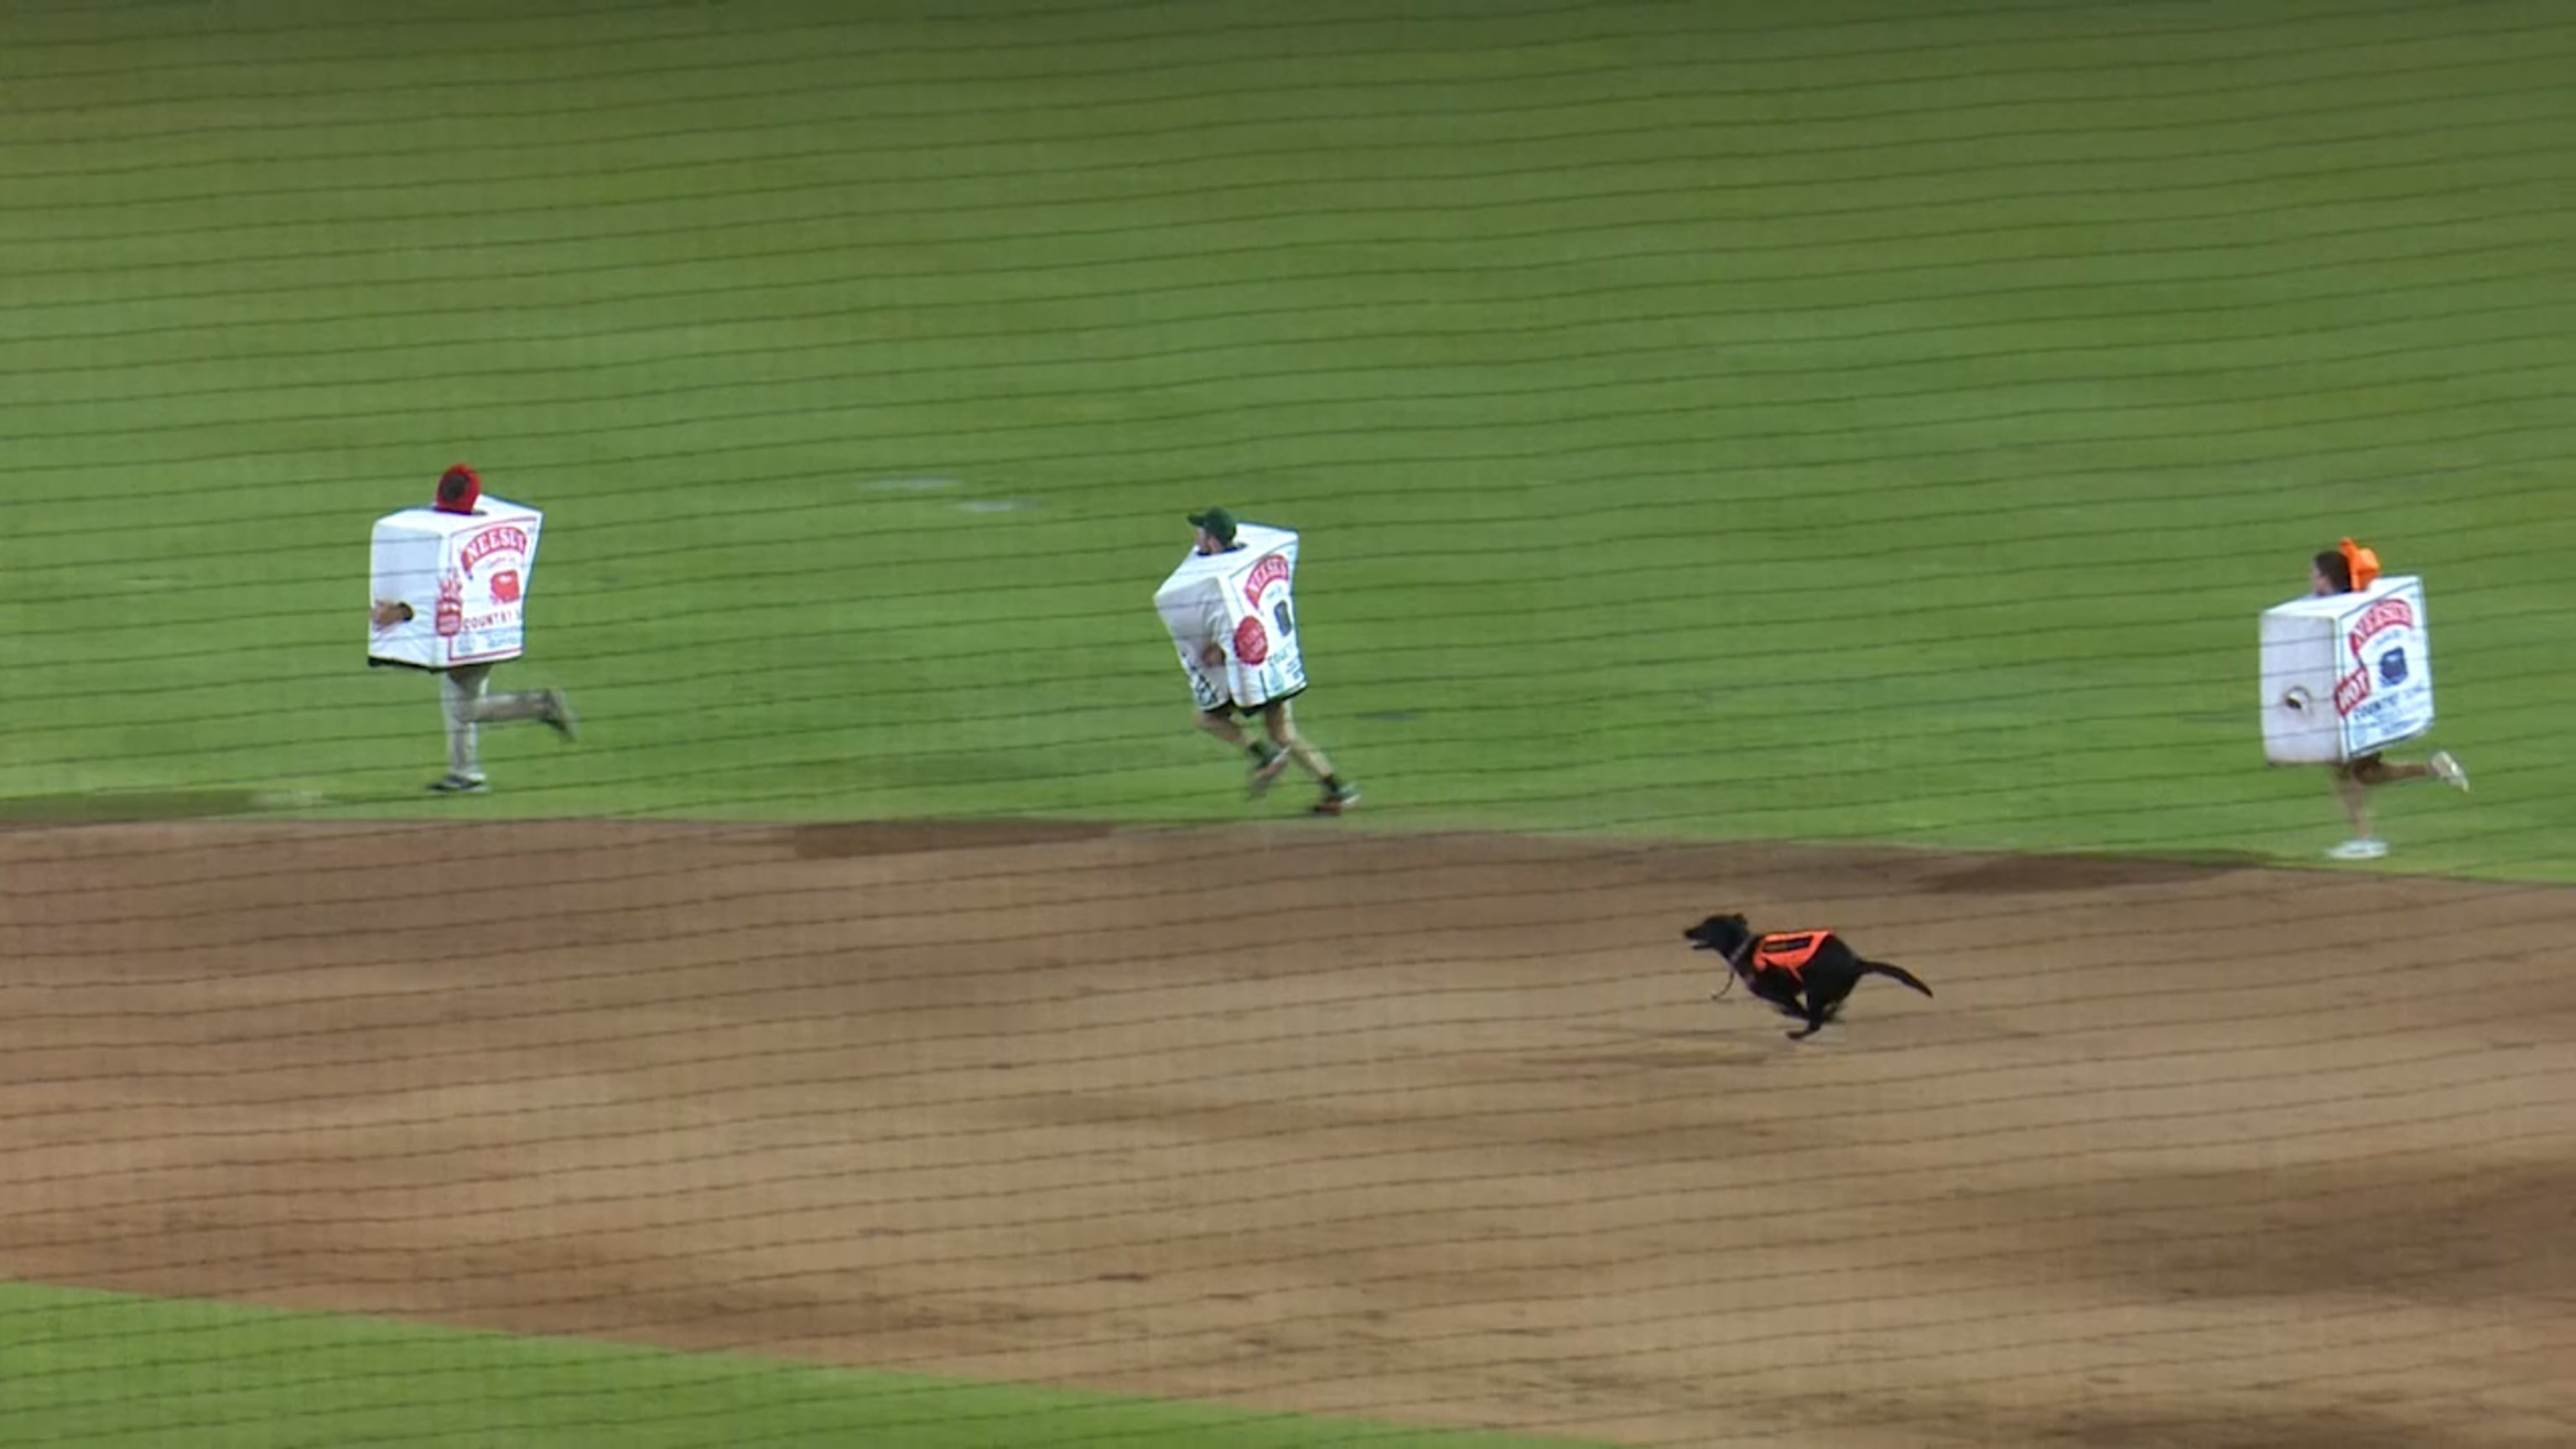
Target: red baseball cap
{"x":459,"y":489}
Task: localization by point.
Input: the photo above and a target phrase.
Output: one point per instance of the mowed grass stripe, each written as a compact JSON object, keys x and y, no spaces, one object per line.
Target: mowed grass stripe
{"x":96,"y":1369}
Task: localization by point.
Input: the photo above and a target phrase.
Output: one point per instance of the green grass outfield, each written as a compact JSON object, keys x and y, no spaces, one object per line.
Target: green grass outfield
{"x":1826,"y":426}
{"x":1867,"y":419}
{"x":98,"y":1369}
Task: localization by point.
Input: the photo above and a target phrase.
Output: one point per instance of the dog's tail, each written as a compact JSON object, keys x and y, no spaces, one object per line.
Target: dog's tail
{"x":1893,"y":973}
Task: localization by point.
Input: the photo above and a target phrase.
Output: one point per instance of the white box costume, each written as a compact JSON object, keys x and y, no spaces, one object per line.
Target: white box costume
{"x":450,"y":586}
{"x":1243,"y":601}
{"x":466,"y":577}
{"x":2346,"y":675}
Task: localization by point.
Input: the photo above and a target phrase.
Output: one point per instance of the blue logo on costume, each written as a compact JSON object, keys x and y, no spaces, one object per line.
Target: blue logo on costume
{"x":2392,"y":667}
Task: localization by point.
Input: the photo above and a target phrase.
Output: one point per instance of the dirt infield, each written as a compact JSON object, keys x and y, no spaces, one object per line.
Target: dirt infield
{"x":1439,"y":1129}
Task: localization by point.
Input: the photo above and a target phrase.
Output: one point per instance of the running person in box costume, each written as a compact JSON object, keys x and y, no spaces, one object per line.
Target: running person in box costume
{"x":2344,"y":569}
{"x":463,"y":689}
{"x":1216,"y":534}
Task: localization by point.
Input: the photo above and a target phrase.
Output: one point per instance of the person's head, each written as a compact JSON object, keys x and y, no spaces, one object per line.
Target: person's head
{"x":1216,"y":530}
{"x":459,"y":489}
{"x":2343,"y":569}
{"x":2330,"y":573}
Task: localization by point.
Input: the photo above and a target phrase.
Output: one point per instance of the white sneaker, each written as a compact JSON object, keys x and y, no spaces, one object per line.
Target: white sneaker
{"x":2448,"y":769}
{"x":2363,"y":848}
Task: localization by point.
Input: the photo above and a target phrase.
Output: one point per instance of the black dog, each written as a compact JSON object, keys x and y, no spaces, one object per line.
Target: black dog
{"x":1806,"y":974}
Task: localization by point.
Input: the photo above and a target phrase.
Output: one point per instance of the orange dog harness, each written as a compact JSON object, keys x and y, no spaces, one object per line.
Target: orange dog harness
{"x":1788,"y":951}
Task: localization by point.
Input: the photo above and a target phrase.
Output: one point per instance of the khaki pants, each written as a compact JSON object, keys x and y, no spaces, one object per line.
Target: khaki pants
{"x":461,"y":695}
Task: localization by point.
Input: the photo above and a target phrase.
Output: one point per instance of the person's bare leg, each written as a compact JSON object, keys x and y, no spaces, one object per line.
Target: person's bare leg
{"x":2352,"y":787}
{"x":1339,"y":794}
{"x":1282,"y":726}
{"x":2355,"y":792}
{"x":2381,"y":772}
{"x":1266,"y":762}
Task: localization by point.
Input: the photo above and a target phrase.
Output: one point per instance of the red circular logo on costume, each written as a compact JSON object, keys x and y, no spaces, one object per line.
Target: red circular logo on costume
{"x":1251,"y":641}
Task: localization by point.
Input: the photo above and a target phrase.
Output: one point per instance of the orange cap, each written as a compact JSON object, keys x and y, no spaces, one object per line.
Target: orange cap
{"x":2362,"y":563}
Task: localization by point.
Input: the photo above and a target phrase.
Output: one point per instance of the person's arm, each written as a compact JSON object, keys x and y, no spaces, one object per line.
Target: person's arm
{"x":389,"y":612}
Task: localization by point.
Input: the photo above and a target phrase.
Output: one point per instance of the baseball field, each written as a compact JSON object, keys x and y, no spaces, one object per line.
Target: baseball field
{"x":1824,"y":461}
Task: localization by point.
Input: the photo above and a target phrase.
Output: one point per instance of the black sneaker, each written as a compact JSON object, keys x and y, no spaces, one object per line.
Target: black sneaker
{"x":457,"y":785}
{"x":1337,"y":800}
{"x":1267,"y":773}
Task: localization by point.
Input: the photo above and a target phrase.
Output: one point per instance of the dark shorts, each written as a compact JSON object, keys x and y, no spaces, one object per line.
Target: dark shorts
{"x":1231,"y":710}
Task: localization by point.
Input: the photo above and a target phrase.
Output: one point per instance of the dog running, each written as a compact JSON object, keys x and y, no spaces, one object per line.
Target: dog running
{"x":1805,"y":974}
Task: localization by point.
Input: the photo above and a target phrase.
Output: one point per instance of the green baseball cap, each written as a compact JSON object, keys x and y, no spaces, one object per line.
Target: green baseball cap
{"x":1218,"y":522}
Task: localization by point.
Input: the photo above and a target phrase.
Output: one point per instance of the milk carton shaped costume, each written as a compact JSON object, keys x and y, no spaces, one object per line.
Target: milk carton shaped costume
{"x":2346,"y":675}
{"x":450,"y":595}
{"x":1243,"y":601}
{"x":466,"y":577}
